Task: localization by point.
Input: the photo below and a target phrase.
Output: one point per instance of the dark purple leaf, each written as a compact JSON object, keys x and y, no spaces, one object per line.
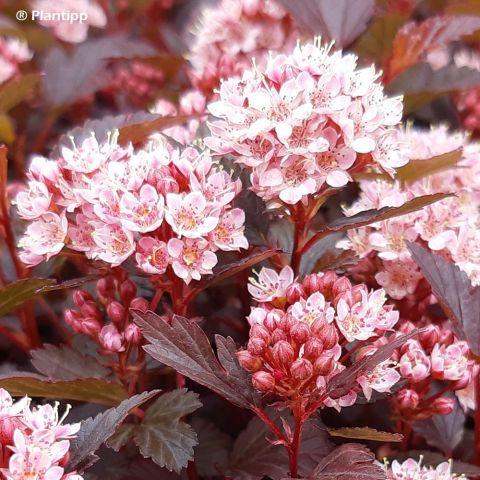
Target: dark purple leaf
{"x":349,"y":462}
{"x":184,"y":347}
{"x":453,"y":289}
{"x":95,"y":431}
{"x":443,"y":431}
{"x":343,"y":24}
{"x":65,"y":363}
{"x":342,"y":382}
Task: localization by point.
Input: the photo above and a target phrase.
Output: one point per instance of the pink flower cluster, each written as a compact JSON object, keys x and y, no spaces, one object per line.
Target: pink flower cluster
{"x":105,"y":318}
{"x":13,"y":52}
{"x":165,"y":208}
{"x":306,"y":122}
{"x":300,"y":332}
{"x":412,"y":469}
{"x":226,"y":38}
{"x":191,"y":103}
{"x":449,"y":227}
{"x":63,"y":28}
{"x":34,"y":442}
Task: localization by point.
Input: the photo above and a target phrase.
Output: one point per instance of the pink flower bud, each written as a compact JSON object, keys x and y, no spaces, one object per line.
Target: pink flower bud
{"x":90,"y":309}
{"x":278,"y":335}
{"x":128,"y":290}
{"x":105,"y":287}
{"x":294,"y":292}
{"x":71,"y":317}
{"x":283,"y":353}
{"x":318,"y":326}
{"x":407,"y":398}
{"x":8,"y":425}
{"x":133,"y":334}
{"x":256,"y":346}
{"x":270,"y":321}
{"x":140,"y":303}
{"x":80,"y":297}
{"x":259,"y":331}
{"x":311,"y":284}
{"x":429,"y":338}
{"x":328,"y":336}
{"x":301,"y":369}
{"x":248,"y":361}
{"x":300,"y":332}
{"x":313,"y":349}
{"x":263,"y":381}
{"x":111,"y":339}
{"x":324,"y":364}
{"x":116,"y":311}
{"x":443,"y":406}
{"x":279,"y":375}
{"x":89,"y":326}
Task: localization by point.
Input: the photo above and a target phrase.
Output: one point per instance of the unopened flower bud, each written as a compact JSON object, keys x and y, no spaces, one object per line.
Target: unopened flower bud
{"x":340,"y":286}
{"x":248,"y":361}
{"x":270,"y":321}
{"x":71,"y":317}
{"x":311,"y":284}
{"x":111,"y":339}
{"x":90,"y":309}
{"x":133,"y":334}
{"x":259,"y":331}
{"x":105,"y":287}
{"x":443,"y":406}
{"x":407,"y":398}
{"x":80,"y":297}
{"x":89,"y":326}
{"x":301,"y":369}
{"x":256,"y":346}
{"x":324,"y":364}
{"x":128,"y":290}
{"x":295,"y":292}
{"x":116,"y":311}
{"x":313,"y":349}
{"x":328,"y":336}
{"x":300,"y":332}
{"x":263,"y":381}
{"x":318,"y":326}
{"x":279,"y":375}
{"x":278,"y":335}
{"x":140,"y":303}
{"x":283,"y":353}
{"x":429,"y":338}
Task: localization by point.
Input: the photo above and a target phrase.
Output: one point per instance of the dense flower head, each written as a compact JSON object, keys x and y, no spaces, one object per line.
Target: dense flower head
{"x":13,"y":52}
{"x":300,"y":331}
{"x":412,"y":469}
{"x":69,"y":31}
{"x":34,"y":441}
{"x":228,"y":35}
{"x":305,"y":122}
{"x":448,"y":227}
{"x":158,"y":206}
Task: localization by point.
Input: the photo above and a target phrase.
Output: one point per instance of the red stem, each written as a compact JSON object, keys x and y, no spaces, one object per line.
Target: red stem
{"x":477,"y":419}
{"x":294,"y":449}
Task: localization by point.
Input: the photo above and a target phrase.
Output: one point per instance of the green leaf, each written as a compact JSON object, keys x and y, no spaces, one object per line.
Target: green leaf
{"x":365,"y":433}
{"x":65,"y":363}
{"x":17,"y":90}
{"x":163,"y":436}
{"x":7,"y":130}
{"x":95,"y":431}
{"x":84,"y":390}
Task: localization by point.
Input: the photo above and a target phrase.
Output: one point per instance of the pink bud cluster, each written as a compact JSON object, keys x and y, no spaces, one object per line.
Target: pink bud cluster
{"x":136,"y":80}
{"x":13,"y":52}
{"x":69,"y":31}
{"x":192,"y":104}
{"x":412,"y":469}
{"x":165,"y":208}
{"x":227,"y":36}
{"x":300,"y":334}
{"x":106,"y":318}
{"x":305,"y":122}
{"x":435,"y":355}
{"x":448,"y":227}
{"x":34,"y":442}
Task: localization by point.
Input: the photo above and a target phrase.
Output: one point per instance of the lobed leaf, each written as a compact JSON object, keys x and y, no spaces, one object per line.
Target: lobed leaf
{"x":66,"y":363}
{"x":365,"y":433}
{"x":343,"y":24}
{"x":349,"y":462}
{"x":163,"y":436}
{"x":458,"y":298}
{"x":92,"y":390}
{"x":95,"y":431}
{"x":184,"y":347}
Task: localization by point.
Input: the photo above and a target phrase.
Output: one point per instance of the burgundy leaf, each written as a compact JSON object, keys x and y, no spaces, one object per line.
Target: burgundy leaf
{"x":443,"y":431}
{"x":184,"y":346}
{"x":453,"y":289}
{"x":343,"y":24}
{"x":365,"y":433}
{"x":95,"y":431}
{"x":342,"y":382}
{"x":349,"y":462}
